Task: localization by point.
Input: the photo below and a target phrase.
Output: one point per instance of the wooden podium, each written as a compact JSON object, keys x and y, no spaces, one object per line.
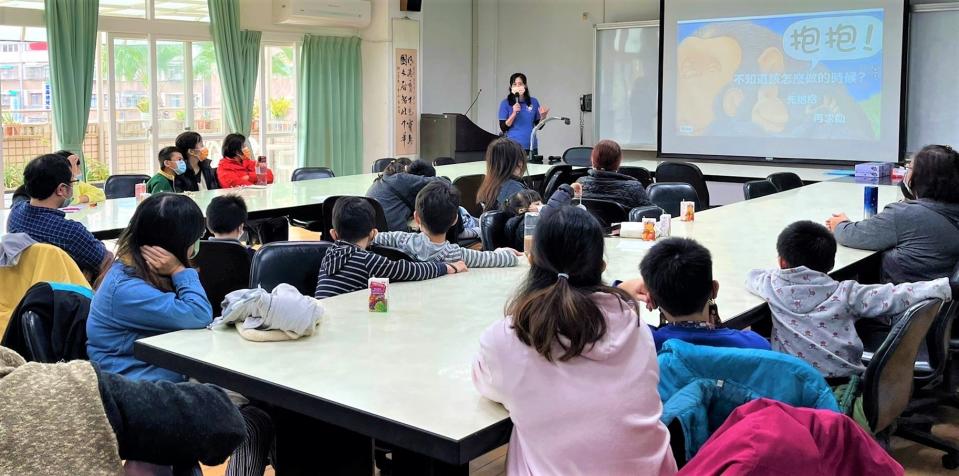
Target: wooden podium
{"x":452,"y":135}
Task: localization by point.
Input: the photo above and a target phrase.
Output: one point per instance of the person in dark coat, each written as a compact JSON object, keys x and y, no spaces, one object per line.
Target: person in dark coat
{"x":604,"y":181}
{"x":396,"y":191}
{"x":199,"y":173}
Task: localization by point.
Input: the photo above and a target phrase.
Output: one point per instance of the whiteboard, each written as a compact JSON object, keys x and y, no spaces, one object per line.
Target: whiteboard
{"x":626,"y":84}
{"x":933,"y":96}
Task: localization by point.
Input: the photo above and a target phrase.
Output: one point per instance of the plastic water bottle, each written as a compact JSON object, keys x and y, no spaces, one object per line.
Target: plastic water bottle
{"x":261,"y":170}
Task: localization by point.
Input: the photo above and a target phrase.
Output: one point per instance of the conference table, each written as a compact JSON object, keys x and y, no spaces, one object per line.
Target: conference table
{"x":403,"y":377}
{"x":107,"y":219}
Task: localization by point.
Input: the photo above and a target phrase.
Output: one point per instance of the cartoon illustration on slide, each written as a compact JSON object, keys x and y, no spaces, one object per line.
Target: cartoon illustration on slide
{"x":812,"y":76}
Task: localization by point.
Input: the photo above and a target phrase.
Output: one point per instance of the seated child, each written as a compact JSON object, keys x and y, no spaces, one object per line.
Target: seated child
{"x":678,"y":279}
{"x":171,"y":165}
{"x":151,"y":288}
{"x":814,"y":315}
{"x":464,"y":231}
{"x":516,"y":207}
{"x":226,"y":218}
{"x":436,"y":212}
{"x":571,"y":353}
{"x":347,"y":265}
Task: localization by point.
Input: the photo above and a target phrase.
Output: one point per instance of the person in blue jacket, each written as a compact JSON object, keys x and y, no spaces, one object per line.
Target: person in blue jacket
{"x":519,"y":112}
{"x":150,"y":289}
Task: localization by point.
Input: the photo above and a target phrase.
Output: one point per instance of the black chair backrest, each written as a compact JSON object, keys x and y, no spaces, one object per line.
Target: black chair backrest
{"x":296,"y":263}
{"x":380,"y":165}
{"x":551,"y":178}
{"x":785,"y":180}
{"x":579,"y":156}
{"x":758,"y":188}
{"x":639,"y":173}
{"x":311,"y":173}
{"x":123,"y":186}
{"x":563,"y":177}
{"x":391,"y":253}
{"x":492,"y":229}
{"x":468,"y":186}
{"x":685,"y":173}
{"x":887,"y":382}
{"x":667,"y":195}
{"x":326,"y":222}
{"x":936,"y":349}
{"x":651,"y":211}
{"x":36,"y":336}
{"x":224,"y":267}
{"x":443,"y":161}
{"x":607,"y":212}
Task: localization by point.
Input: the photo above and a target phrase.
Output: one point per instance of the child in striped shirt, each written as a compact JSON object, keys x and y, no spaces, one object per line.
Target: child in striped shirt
{"x":347,"y":265}
{"x":437,"y":209}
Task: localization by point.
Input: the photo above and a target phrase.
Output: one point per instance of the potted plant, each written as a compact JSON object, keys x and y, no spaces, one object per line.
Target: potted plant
{"x":11,"y":126}
{"x":279,"y":109}
{"x":143,"y":105}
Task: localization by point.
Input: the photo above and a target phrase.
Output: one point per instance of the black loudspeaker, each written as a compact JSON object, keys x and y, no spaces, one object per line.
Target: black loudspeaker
{"x":411,"y":5}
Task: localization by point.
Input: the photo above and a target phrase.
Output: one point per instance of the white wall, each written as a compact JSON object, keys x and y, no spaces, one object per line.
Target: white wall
{"x":446,"y":59}
{"x":549,"y":40}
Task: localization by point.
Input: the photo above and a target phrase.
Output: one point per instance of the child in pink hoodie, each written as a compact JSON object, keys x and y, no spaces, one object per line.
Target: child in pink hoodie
{"x":573,"y":364}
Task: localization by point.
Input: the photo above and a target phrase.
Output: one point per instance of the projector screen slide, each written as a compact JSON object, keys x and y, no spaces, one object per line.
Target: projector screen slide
{"x":800,"y":79}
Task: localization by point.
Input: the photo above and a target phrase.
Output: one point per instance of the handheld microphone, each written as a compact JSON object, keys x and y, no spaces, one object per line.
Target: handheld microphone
{"x":565,"y":120}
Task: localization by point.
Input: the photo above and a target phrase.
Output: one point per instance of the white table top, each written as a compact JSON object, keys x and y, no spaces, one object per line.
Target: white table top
{"x":412,"y":365}
{"x":111,"y":216}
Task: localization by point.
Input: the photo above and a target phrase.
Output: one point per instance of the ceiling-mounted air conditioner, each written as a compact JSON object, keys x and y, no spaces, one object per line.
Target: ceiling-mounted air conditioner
{"x":337,"y":13}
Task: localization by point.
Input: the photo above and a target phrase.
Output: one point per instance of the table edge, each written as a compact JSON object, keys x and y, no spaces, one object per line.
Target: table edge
{"x":412,"y":438}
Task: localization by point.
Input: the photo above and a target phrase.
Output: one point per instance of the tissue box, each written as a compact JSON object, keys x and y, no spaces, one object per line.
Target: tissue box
{"x":874,"y":169}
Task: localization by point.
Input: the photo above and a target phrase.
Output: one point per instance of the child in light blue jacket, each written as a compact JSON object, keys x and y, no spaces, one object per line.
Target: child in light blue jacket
{"x":151,"y":288}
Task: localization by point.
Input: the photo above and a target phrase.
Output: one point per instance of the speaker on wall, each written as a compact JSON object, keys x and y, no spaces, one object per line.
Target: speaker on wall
{"x":411,"y":5}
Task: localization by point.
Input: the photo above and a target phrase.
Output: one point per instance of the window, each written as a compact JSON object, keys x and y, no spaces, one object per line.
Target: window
{"x":27,"y":129}
{"x":9,"y":71}
{"x":39,"y":72}
{"x":173,"y":100}
{"x":184,"y":10}
{"x":276,"y":94}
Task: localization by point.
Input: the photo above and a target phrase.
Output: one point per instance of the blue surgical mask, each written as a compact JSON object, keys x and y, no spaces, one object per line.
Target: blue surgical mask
{"x":180,"y":167}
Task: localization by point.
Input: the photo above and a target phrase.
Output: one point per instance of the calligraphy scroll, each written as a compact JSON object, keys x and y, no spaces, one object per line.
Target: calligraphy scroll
{"x":406,"y":113}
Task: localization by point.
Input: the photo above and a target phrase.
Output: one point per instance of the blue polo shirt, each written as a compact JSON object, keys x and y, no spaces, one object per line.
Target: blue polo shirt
{"x":523,"y":125}
{"x":47,"y":225}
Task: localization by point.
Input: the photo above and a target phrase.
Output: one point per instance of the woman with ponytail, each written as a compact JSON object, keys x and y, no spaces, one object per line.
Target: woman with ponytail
{"x":573,"y":364}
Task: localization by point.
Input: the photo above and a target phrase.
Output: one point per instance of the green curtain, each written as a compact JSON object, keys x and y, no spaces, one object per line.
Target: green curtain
{"x":72,"y":34}
{"x":237,"y":59}
{"x":330,"y":104}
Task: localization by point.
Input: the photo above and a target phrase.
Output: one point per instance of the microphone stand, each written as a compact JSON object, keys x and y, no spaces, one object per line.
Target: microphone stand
{"x":539,"y":127}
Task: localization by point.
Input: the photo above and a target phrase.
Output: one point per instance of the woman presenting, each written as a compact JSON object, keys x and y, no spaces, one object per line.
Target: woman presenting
{"x":520,"y":112}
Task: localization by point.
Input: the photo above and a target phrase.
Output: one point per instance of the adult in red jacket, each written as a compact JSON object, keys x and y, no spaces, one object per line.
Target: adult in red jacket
{"x":237,"y":168}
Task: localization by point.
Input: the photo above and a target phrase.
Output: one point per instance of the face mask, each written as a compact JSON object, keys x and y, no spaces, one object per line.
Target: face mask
{"x":180,"y":167}
{"x":196,"y":250}
{"x":519,"y":89}
{"x":906,"y":191}
{"x":67,"y":202}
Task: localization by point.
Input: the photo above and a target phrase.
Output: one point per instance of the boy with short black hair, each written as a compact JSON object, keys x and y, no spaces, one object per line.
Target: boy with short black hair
{"x":437,"y":210}
{"x":678,"y":279}
{"x":171,"y":165}
{"x":813,"y":314}
{"x":347,"y":265}
{"x":226,"y":219}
